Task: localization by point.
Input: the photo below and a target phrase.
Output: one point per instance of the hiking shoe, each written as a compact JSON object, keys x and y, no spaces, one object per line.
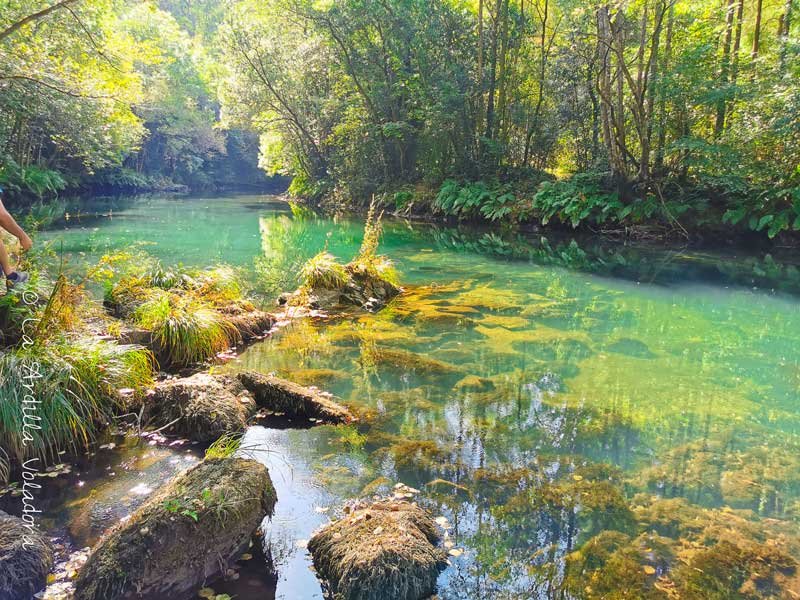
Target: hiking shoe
{"x":16,"y":278}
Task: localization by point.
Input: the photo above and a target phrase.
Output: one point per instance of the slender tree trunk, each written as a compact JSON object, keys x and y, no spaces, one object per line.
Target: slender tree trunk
{"x":503,"y":68}
{"x":619,"y":109}
{"x":719,"y":125}
{"x":757,"y":29}
{"x":604,"y":42}
{"x":493,"y":74}
{"x":661,"y":137}
{"x":531,"y":128}
{"x":650,"y":79}
{"x":785,"y":26}
{"x":737,"y":41}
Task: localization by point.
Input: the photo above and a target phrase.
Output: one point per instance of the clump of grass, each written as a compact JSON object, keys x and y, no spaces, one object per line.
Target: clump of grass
{"x":185,"y":330}
{"x":73,"y":383}
{"x":368,"y":262}
{"x":225,"y":447}
{"x":323,"y":272}
{"x":185,"y":309}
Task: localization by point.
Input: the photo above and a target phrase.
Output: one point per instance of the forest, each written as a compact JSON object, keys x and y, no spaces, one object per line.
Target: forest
{"x":670,"y":115}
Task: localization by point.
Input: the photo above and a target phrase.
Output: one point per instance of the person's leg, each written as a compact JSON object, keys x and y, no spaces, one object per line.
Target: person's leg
{"x":5,"y":263}
{"x":8,"y":223}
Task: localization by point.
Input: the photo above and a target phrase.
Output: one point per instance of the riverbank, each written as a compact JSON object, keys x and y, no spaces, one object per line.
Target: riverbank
{"x":589,"y":203}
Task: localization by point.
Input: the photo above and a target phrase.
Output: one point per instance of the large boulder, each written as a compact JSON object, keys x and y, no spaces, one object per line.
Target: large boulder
{"x":386,"y":551}
{"x":280,"y":395}
{"x":202,"y":407}
{"x":184,"y":536}
{"x":25,"y":559}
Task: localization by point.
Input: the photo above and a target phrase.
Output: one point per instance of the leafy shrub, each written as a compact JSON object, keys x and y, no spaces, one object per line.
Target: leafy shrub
{"x":577,"y":199}
{"x":32,"y":180}
{"x":492,"y":201}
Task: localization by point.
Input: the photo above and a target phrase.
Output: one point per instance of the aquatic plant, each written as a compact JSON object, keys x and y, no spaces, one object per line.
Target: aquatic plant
{"x":187,"y":310}
{"x":75,"y":385}
{"x":368,"y":280}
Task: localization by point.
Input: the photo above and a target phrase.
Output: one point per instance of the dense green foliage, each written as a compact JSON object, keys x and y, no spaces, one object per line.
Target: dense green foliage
{"x":646,"y":110}
{"x":113,"y":95}
{"x":661,"y":112}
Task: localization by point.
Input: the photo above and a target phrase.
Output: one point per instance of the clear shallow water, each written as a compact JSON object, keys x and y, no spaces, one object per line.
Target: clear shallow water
{"x":537,"y":392}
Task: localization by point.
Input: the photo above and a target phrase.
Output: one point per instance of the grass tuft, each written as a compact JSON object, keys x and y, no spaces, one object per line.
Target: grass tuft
{"x":68,"y":389}
{"x":323,"y":272}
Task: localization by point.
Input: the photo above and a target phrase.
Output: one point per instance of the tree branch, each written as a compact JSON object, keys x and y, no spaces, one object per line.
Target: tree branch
{"x":35,"y":17}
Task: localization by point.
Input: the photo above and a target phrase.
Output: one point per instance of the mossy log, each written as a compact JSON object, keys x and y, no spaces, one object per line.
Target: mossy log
{"x":182,"y":537}
{"x":203,"y":407}
{"x":279,"y":395}
{"x":25,"y":559}
{"x":384,"y":552}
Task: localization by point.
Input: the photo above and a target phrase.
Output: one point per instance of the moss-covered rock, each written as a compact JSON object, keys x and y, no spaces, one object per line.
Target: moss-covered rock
{"x":279,"y":395}
{"x":25,"y":559}
{"x":183,"y":536}
{"x":203,"y":407}
{"x":386,"y":551}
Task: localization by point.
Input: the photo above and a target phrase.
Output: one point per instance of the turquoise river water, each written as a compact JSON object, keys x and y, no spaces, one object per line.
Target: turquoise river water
{"x":598,"y":421}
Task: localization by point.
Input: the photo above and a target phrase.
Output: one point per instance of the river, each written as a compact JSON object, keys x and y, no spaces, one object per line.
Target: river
{"x":607,"y":376}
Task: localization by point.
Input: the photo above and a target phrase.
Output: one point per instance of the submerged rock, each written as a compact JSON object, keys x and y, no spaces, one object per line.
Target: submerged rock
{"x":280,"y":395}
{"x":183,"y":536}
{"x":203,"y":407}
{"x":25,"y":559}
{"x":386,"y":551}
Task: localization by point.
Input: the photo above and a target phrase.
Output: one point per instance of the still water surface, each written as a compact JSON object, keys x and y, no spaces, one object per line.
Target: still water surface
{"x":539,"y":393}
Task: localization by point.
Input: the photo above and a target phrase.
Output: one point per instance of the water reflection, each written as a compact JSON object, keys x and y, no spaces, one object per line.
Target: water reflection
{"x":590,"y":418}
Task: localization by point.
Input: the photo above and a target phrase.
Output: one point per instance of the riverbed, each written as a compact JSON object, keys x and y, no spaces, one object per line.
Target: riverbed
{"x":510,"y":364}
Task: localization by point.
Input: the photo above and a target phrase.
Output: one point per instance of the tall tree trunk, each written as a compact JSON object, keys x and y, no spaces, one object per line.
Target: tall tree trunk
{"x":661,"y":137}
{"x":785,"y":26}
{"x":531,"y":128}
{"x":649,"y":82}
{"x":604,"y":46}
{"x":757,"y":29}
{"x":493,"y":74}
{"x":719,"y":125}
{"x":619,"y":110}
{"x":503,"y":68}
{"x":737,"y":41}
